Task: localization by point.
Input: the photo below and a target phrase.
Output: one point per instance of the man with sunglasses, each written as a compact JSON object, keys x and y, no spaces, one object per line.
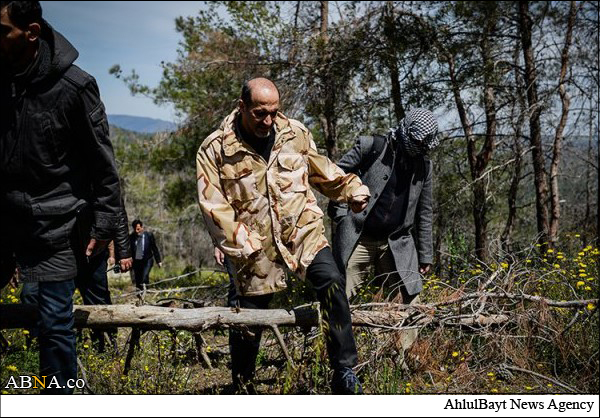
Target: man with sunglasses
{"x":254,"y":188}
{"x":394,"y":233}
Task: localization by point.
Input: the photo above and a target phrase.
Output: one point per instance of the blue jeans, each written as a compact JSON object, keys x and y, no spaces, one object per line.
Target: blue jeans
{"x":92,"y":283}
{"x":55,"y":326}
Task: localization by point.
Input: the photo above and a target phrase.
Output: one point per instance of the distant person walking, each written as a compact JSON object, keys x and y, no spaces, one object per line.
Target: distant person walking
{"x":144,"y":252}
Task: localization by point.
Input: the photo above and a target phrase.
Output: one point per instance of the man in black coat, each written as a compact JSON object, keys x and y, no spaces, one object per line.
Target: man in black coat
{"x":144,"y":252}
{"x":59,"y":195}
{"x":394,"y":233}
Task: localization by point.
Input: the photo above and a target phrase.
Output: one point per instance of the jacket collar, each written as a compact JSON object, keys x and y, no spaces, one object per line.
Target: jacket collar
{"x":233,"y":142}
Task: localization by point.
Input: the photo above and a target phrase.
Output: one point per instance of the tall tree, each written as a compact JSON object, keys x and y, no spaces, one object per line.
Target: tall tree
{"x":558,"y":137}
{"x":535,"y":132}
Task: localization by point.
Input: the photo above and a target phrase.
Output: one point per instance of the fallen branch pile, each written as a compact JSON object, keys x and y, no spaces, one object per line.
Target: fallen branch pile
{"x":383,"y":315}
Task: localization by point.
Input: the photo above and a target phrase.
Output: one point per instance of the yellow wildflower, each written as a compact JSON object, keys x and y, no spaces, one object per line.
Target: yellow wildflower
{"x":25,"y":332}
{"x":455,"y":354}
{"x":591,"y":306}
{"x":550,"y":250}
{"x":11,"y":368}
{"x":579,"y":284}
{"x":494,"y":390}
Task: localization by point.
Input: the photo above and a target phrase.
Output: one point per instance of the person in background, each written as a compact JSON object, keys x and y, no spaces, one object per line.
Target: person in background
{"x":144,"y":252}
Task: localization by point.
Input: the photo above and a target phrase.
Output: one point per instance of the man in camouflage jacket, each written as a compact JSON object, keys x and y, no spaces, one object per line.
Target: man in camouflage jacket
{"x":253,"y":177}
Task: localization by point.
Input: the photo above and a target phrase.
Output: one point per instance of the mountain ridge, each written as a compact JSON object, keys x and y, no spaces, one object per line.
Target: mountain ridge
{"x":141,"y":124}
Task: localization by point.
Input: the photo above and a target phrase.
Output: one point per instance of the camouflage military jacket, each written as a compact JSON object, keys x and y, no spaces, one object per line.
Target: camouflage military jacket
{"x":263,"y":214}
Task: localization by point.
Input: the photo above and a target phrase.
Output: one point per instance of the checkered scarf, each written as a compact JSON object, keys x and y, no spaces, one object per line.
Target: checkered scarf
{"x":417,"y":132}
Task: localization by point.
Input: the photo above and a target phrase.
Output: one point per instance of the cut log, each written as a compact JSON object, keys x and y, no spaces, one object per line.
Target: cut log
{"x":159,"y":318}
{"x":199,"y":319}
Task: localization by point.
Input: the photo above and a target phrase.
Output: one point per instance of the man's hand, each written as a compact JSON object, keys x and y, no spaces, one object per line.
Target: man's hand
{"x":160,"y":264}
{"x":424,"y":268}
{"x":359,"y":203}
{"x":111,"y":261}
{"x":14,"y":280}
{"x":219,"y":256}
{"x":126,"y":264}
{"x":96,"y":246}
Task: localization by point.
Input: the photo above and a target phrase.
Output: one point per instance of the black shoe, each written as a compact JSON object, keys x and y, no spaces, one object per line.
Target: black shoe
{"x":345,"y":382}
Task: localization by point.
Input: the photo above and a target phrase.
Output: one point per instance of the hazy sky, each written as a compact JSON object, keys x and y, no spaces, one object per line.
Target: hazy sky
{"x":134,"y":34}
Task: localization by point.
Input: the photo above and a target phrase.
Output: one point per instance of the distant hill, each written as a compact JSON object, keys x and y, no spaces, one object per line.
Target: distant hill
{"x":141,"y":124}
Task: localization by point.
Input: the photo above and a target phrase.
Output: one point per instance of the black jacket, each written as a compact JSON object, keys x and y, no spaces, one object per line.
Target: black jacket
{"x":150,"y":248}
{"x":55,"y":155}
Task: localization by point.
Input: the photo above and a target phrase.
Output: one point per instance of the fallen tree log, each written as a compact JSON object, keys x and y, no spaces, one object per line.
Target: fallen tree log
{"x":159,"y":318}
{"x":199,"y":319}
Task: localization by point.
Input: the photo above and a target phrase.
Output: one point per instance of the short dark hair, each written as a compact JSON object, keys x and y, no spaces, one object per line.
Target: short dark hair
{"x":246,"y":95}
{"x":23,"y":13}
{"x":136,"y":223}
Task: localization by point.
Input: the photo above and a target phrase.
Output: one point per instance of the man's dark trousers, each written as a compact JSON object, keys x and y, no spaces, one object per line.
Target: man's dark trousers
{"x":93,"y":287}
{"x":141,"y":271}
{"x":329,"y":285}
{"x":55,"y":326}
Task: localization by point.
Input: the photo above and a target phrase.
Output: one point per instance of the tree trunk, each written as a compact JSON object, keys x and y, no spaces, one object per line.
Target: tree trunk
{"x":537,"y":152}
{"x":485,"y":155}
{"x":142,"y":318}
{"x":478,"y":187}
{"x":159,"y":318}
{"x":328,"y":115}
{"x":558,"y":138}
{"x":588,"y":170}
{"x":478,"y":162}
{"x":392,"y":62}
{"x":520,"y":106}
{"x":324,"y":18}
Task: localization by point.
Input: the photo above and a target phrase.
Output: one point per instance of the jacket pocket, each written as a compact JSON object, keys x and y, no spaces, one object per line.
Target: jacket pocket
{"x":309,"y":216}
{"x":42,"y":150}
{"x":100,"y":121}
{"x":238,"y":181}
{"x":292,"y":174}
